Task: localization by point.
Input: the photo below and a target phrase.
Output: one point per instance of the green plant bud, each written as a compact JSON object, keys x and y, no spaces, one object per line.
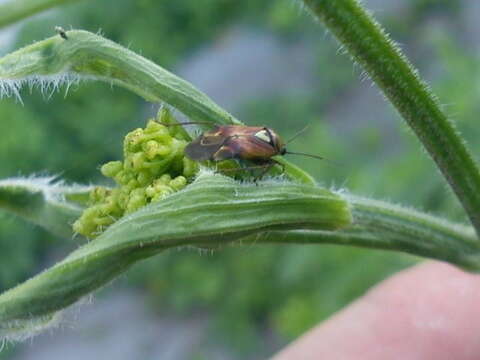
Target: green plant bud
{"x":165,"y":116}
{"x":150,"y":191}
{"x":84,"y":227}
{"x":104,"y":221}
{"x":160,"y":188}
{"x":154,"y":167}
{"x":164,"y":179}
{"x":144,"y":178}
{"x":138,"y":192}
{"x":138,"y":161}
{"x":190,"y":167}
{"x":162,"y":136}
{"x":98,"y":194}
{"x":132,"y":142}
{"x":178,"y":183}
{"x":86,"y":224}
{"x":132,"y":184}
{"x":162,"y":193}
{"x":135,"y":202}
{"x":161,"y":166}
{"x":121,"y":197}
{"x":178,"y":146}
{"x":111,"y":169}
{"x":155,"y":127}
{"x":107,"y":208}
{"x":151,"y":149}
{"x":123,"y":177}
{"x":163,"y":150}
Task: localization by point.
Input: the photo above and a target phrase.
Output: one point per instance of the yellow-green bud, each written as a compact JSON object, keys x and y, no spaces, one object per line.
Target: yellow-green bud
{"x":98,"y":194}
{"x":138,"y":160}
{"x":164,"y":179}
{"x":111,"y":168}
{"x":153,"y":126}
{"x":162,"y":192}
{"x":132,"y":141}
{"x":144,"y":178}
{"x":178,"y":183}
{"x":135,"y":202}
{"x":190,"y":167}
{"x":151,"y":149}
{"x":154,"y":167}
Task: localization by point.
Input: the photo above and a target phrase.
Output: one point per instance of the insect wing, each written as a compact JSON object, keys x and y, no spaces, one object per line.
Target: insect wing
{"x":231,"y":141}
{"x":204,"y":147}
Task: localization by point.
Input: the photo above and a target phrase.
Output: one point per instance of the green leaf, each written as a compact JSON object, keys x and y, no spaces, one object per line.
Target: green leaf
{"x":51,"y":205}
{"x":214,"y":210}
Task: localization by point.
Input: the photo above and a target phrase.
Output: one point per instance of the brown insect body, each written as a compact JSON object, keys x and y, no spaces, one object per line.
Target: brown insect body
{"x":252,"y":143}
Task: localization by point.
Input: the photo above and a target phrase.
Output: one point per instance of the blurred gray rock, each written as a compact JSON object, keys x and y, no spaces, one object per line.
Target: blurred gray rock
{"x":121,"y":326}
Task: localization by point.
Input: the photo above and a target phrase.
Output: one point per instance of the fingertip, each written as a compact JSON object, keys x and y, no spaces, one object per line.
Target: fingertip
{"x":427,"y":311}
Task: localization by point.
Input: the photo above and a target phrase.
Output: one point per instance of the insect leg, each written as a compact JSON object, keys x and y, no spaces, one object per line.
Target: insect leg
{"x":264,"y":166}
{"x":253,"y":167}
{"x":267,"y":166}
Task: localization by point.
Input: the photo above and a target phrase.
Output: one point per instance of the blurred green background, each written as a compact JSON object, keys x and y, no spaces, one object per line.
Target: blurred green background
{"x":270,"y":64}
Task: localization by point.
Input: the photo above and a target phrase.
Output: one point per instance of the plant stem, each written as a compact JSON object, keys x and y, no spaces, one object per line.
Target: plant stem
{"x":379,"y":225}
{"x":371,"y":47}
{"x":15,"y":10}
{"x":214,"y":210}
{"x":42,"y":202}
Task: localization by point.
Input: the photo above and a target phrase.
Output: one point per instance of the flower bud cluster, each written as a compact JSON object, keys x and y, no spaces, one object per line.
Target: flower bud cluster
{"x":154,"y":167}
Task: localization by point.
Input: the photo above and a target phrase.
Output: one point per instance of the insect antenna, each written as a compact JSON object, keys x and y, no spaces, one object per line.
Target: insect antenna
{"x":297,"y":134}
{"x":314,"y":157}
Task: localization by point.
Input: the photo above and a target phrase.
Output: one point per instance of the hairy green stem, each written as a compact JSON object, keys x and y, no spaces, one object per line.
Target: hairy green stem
{"x":376,"y":224}
{"x":371,"y":47}
{"x":379,"y":225}
{"x":214,"y":210}
{"x":42,"y":202}
{"x":16,"y":10}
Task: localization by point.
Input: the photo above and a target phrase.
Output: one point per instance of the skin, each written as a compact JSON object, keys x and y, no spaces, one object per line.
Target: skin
{"x":430,"y":311}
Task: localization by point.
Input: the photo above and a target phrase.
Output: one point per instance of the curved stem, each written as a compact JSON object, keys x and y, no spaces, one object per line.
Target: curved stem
{"x":379,"y":225}
{"x":371,"y":47}
{"x":43,"y":202}
{"x":213,"y":210}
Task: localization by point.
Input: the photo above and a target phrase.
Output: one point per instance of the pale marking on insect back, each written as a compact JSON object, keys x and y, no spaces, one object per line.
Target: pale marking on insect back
{"x":263,"y":135}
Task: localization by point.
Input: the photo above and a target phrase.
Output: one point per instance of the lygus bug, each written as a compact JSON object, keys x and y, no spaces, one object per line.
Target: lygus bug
{"x":253,"y":144}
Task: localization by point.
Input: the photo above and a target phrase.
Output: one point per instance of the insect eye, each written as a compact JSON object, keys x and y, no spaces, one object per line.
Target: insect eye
{"x":264,"y":136}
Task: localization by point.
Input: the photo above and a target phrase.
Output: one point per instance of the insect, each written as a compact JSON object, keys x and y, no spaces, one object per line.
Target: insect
{"x":61,"y":32}
{"x":255,"y":145}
